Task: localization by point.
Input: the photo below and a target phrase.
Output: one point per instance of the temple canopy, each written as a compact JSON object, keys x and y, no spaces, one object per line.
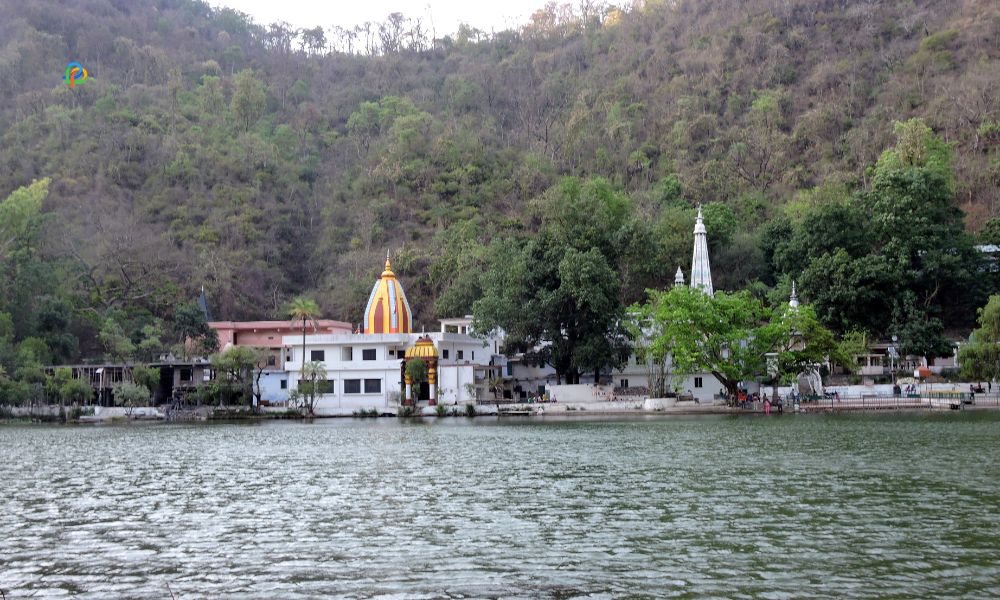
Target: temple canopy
{"x":794,"y":300}
{"x":388,"y":310}
{"x":679,"y":277}
{"x":701,"y":270}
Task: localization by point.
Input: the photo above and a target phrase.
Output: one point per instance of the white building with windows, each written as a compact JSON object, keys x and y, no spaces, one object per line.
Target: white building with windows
{"x":366,"y":370}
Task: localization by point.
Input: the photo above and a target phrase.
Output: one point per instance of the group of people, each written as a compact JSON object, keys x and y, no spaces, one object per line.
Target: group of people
{"x":747,"y":401}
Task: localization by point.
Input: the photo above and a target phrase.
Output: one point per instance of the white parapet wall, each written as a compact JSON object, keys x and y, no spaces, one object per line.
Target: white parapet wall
{"x":658,"y":403}
{"x":122,"y":412}
{"x":583,"y":392}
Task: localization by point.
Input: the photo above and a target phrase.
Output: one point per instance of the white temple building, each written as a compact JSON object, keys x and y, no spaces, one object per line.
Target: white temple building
{"x":366,"y":370}
{"x":703,"y":387}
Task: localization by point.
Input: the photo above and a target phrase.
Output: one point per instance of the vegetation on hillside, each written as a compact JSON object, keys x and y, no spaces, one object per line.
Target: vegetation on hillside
{"x":263,"y":162}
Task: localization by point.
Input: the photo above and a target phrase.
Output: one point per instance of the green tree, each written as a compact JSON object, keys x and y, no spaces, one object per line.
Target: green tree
{"x":314,"y":382}
{"x":130,"y":395}
{"x":562,"y":290}
{"x":303,"y":311}
{"x":980,"y":358}
{"x":234,"y":370}
{"x":117,"y":344}
{"x":192,"y":331}
{"x":148,"y":377}
{"x":76,"y":391}
{"x":802,"y":343}
{"x":20,"y":225}
{"x":150,"y":341}
{"x":416,"y":369}
{"x":727,"y":335}
{"x":249,"y":99}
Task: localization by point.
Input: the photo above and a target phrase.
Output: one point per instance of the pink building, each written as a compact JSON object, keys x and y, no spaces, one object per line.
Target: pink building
{"x":267,"y":334}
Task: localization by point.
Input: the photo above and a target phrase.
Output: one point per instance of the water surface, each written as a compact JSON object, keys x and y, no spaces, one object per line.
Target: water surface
{"x":902,"y":505}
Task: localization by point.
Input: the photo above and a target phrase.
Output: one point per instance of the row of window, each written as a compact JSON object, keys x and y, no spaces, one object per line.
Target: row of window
{"x":347,"y":354}
{"x":698,"y":382}
{"x":351,"y":386}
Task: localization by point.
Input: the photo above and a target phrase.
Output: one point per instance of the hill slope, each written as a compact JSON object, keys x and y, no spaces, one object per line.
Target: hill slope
{"x":262,"y":162}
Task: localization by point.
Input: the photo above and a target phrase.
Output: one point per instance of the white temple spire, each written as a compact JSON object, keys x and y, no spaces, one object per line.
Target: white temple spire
{"x":794,"y":300}
{"x":701,"y":270}
{"x":679,"y":277}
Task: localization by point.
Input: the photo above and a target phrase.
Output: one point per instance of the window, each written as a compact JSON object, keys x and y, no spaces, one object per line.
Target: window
{"x":444,"y":354}
{"x":624,"y":383}
{"x":459,"y":353}
{"x":368,"y":354}
{"x":373,"y":386}
{"x":322,"y":387}
{"x":510,"y":369}
{"x":347,"y":353}
{"x":352,"y":386}
{"x":473,"y":355}
{"x":392,"y":352}
{"x":271,"y":360}
{"x":185,"y":374}
{"x":697,"y":382}
{"x":284,"y":384}
{"x":317,"y":355}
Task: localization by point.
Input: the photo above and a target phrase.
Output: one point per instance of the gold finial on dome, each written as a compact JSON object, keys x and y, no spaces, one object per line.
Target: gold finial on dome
{"x":388,"y":265}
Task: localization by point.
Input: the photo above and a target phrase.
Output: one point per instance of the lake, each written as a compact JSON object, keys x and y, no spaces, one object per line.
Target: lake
{"x":843,"y":506}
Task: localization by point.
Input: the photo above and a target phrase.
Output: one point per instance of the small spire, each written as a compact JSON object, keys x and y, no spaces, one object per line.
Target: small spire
{"x":679,"y":277}
{"x":794,"y":300}
{"x":699,"y":224}
{"x":388,"y":266}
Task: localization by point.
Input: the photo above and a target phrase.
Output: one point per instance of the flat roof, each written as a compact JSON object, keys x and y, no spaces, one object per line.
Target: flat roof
{"x":243,"y":325}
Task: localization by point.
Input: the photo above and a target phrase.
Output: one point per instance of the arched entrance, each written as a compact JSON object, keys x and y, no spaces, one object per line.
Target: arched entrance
{"x":425,"y":351}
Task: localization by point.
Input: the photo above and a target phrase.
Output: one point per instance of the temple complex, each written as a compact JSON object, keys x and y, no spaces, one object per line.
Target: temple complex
{"x":386,"y":363}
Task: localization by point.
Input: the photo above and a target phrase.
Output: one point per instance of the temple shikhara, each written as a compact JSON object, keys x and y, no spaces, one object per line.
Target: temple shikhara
{"x":388,"y":310}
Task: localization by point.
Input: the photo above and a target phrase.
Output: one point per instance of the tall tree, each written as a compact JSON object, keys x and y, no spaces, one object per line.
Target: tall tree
{"x":561,"y":290}
{"x":249,"y":99}
{"x":980,"y":358}
{"x":303,"y":311}
{"x":727,"y":335}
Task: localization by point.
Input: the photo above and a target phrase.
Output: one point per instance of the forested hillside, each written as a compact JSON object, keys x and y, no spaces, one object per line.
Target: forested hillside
{"x":261,"y":162}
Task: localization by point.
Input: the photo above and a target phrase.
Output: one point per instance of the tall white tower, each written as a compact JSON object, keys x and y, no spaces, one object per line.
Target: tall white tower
{"x":701,"y":270}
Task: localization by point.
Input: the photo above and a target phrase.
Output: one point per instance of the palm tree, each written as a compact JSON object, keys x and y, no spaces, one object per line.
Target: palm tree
{"x":313,"y":372}
{"x":305,"y":310}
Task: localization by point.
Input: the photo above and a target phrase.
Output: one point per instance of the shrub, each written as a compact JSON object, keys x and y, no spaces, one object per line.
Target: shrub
{"x":470,"y":410}
{"x":14,"y":393}
{"x":131,"y":394}
{"x":441,"y":410}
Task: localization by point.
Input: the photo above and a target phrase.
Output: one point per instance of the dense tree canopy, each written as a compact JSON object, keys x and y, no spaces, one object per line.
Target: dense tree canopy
{"x":264,"y":162}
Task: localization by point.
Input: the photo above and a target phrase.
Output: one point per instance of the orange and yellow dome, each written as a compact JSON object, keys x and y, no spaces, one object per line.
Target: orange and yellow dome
{"x":387,"y":310}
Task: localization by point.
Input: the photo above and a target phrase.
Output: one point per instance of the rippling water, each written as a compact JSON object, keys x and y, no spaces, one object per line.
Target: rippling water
{"x":781,"y":507}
